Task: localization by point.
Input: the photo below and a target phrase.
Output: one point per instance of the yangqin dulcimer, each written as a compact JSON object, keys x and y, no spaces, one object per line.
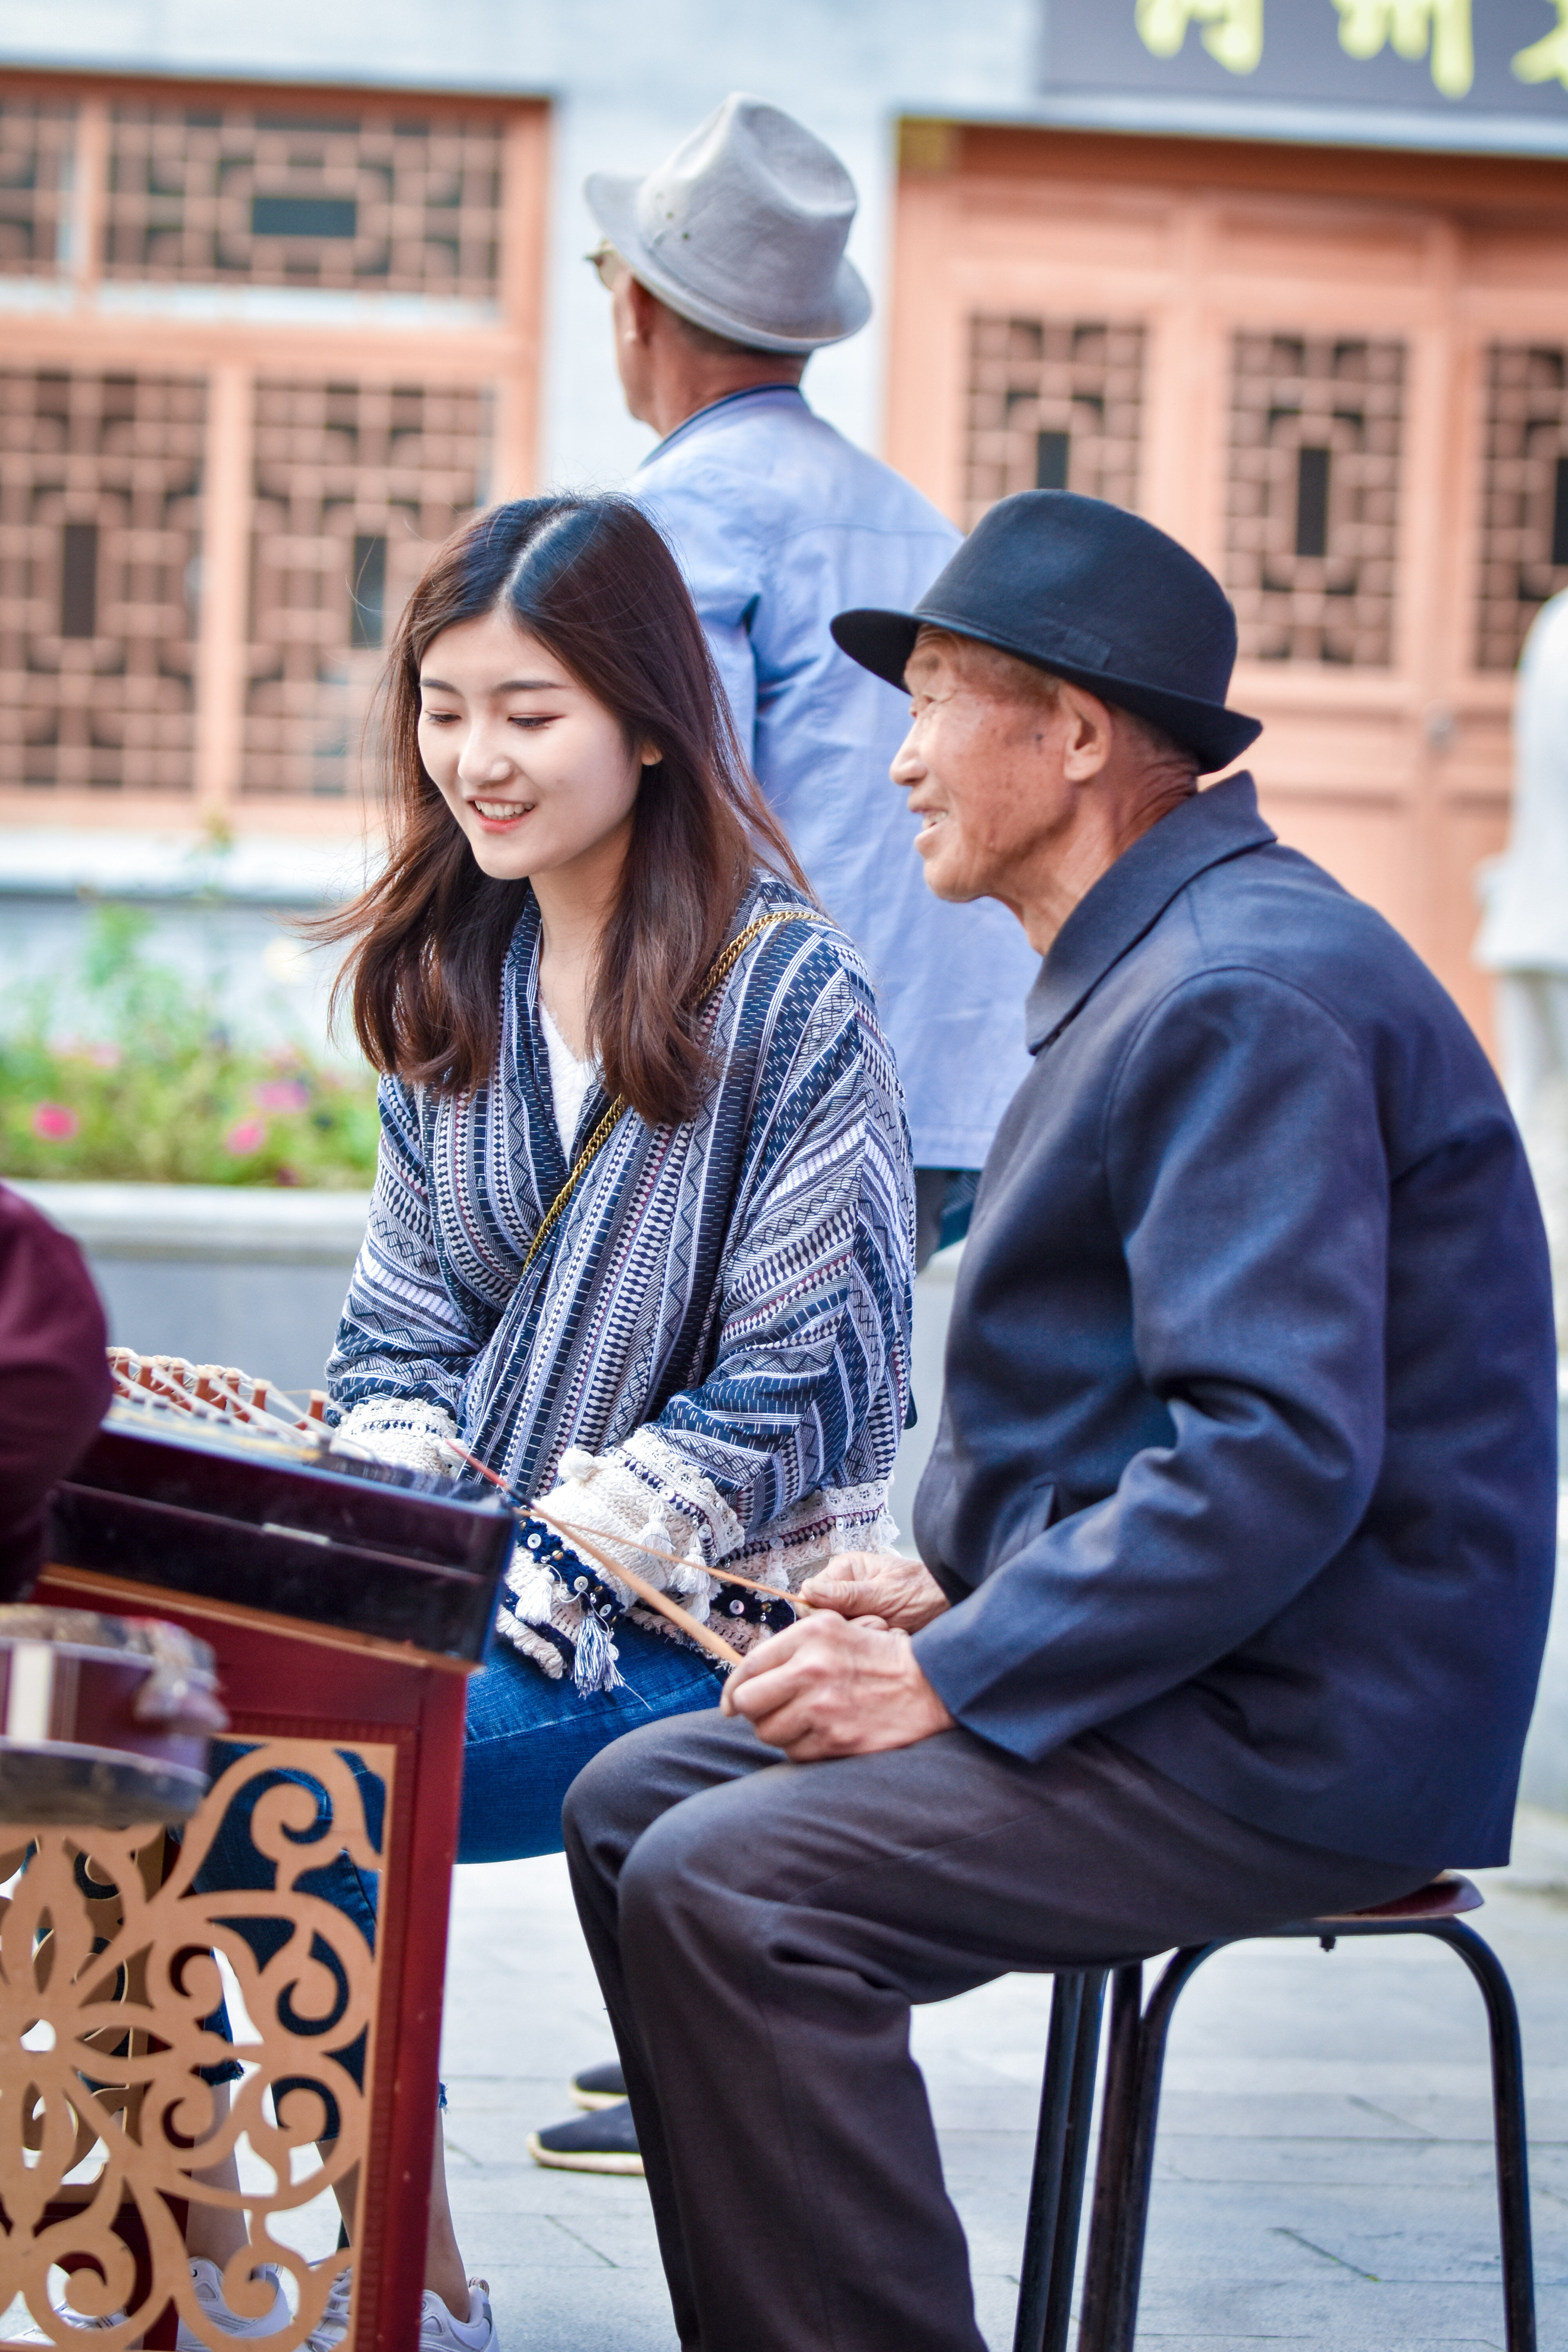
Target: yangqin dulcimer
{"x":338,"y":1606}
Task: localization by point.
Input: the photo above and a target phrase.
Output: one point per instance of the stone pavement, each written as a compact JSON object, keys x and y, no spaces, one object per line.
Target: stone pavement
{"x":1324,"y":2171}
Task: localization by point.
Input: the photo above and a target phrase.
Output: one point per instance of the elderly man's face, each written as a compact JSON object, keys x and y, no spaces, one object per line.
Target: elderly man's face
{"x":986,"y":764}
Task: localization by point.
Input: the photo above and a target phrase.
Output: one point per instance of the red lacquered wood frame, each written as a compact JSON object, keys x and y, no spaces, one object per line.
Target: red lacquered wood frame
{"x":345,"y":1688}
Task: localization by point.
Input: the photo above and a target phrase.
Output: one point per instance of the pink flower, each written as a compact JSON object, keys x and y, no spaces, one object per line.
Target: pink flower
{"x":248,"y":1135}
{"x":281,"y":1094}
{"x":105,"y":1056}
{"x":54,"y":1123}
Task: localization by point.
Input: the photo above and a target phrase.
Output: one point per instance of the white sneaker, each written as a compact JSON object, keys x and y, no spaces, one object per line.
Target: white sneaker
{"x":333,"y":2323}
{"x":207,"y":2279}
{"x":439,"y":2331}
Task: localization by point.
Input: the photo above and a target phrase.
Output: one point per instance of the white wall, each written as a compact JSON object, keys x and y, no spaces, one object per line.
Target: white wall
{"x":1545,"y":1776}
{"x":628,"y":78}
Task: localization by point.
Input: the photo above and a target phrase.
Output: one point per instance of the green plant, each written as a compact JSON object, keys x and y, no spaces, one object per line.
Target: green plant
{"x":157,"y":1092}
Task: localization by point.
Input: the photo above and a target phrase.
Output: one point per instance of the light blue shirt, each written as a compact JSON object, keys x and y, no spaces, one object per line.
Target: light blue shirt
{"x":779,"y":523}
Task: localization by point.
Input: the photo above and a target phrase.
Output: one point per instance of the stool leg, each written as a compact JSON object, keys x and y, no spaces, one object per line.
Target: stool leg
{"x":1120,"y":2070}
{"x":1127,"y":2152}
{"x":1080,"y":2115}
{"x":1061,"y":2150}
{"x":1507,"y":2129}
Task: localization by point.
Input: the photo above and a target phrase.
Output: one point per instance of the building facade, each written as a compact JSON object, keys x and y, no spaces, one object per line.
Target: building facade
{"x":1341,"y":377}
{"x":283,"y":300}
{"x":264,"y":348}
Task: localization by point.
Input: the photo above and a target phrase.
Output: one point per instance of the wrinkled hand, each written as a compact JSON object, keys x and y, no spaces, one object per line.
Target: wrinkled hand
{"x":830,"y":1686}
{"x":883,"y":1584}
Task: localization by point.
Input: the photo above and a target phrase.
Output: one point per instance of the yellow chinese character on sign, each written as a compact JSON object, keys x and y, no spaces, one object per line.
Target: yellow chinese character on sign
{"x":1412,"y":25}
{"x":1233,"y":35}
{"x":1547,"y":60}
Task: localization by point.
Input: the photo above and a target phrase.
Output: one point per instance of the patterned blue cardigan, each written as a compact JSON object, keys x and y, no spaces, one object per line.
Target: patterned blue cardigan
{"x":713,"y":1344}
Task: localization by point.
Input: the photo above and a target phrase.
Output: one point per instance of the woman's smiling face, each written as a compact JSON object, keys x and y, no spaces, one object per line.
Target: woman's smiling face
{"x":538,"y":774}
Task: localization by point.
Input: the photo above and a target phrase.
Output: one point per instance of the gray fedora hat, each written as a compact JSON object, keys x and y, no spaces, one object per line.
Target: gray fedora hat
{"x":743,"y":230}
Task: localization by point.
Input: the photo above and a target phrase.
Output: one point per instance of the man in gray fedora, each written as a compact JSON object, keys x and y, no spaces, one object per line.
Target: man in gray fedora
{"x":1236,"y":1546}
{"x":728,"y":269}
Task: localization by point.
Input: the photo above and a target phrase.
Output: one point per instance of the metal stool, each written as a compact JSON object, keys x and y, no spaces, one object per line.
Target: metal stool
{"x":1130,"y":2113}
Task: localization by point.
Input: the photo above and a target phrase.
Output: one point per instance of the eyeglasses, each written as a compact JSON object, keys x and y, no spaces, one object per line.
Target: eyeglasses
{"x":606,"y":263}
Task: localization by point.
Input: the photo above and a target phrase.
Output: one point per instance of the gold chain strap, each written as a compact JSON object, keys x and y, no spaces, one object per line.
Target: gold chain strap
{"x":612,"y":1118}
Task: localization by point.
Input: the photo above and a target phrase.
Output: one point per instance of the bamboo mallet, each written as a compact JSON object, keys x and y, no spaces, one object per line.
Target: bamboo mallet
{"x":646,"y":1592}
{"x":650,"y":1593}
{"x":721,"y":1574}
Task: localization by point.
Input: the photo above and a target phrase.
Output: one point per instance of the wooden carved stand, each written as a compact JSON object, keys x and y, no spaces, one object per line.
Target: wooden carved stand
{"x":346,"y":1609}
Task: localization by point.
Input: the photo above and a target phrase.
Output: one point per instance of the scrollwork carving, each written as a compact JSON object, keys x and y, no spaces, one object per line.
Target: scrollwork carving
{"x":107,"y":1985}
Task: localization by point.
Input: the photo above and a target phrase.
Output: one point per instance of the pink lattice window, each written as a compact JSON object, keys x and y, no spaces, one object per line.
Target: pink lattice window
{"x":1312,"y":511}
{"x":38,"y":142}
{"x":373,"y":199}
{"x":354,"y":487}
{"x":1524,"y":495}
{"x":101,"y":501}
{"x":1054,"y":404}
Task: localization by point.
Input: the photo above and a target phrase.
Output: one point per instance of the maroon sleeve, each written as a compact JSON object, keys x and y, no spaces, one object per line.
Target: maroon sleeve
{"x":53,"y":1381}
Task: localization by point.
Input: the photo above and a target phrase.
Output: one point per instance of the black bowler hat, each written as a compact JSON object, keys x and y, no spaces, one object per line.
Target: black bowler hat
{"x":1094,"y":593}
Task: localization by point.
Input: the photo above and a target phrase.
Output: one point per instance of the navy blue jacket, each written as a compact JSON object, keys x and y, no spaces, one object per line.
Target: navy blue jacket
{"x":1248,"y":1458}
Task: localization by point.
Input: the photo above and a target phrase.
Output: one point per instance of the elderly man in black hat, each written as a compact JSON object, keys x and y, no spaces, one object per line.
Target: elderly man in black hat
{"x":1236,"y":1546}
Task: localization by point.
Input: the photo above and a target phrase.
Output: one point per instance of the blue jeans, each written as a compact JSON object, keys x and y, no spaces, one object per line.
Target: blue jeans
{"x":526,"y":1740}
{"x":528,"y":1737}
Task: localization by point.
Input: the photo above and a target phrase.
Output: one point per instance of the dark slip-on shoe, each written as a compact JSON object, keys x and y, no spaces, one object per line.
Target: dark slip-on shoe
{"x":600,"y":2087}
{"x":604,"y":2141}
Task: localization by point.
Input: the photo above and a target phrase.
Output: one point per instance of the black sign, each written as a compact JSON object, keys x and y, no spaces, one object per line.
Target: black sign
{"x":1457,"y":58}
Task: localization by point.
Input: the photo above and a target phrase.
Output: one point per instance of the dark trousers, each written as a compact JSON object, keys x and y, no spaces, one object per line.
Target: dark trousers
{"x":760,"y":1930}
{"x":944,"y":1198}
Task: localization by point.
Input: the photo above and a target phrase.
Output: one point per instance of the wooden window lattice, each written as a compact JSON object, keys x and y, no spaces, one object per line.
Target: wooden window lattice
{"x":1054,"y":403}
{"x":1312,"y":512}
{"x":1524,"y":494}
{"x":37,"y":143}
{"x":354,"y":487}
{"x":100,"y":523}
{"x":373,"y":200}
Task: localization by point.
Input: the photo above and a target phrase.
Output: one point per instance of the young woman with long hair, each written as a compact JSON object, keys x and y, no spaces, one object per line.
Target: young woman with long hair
{"x":643,"y":1223}
{"x":639,"y":1238}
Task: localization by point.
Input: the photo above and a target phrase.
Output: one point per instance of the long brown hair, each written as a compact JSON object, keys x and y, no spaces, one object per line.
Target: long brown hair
{"x":592,"y":579}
